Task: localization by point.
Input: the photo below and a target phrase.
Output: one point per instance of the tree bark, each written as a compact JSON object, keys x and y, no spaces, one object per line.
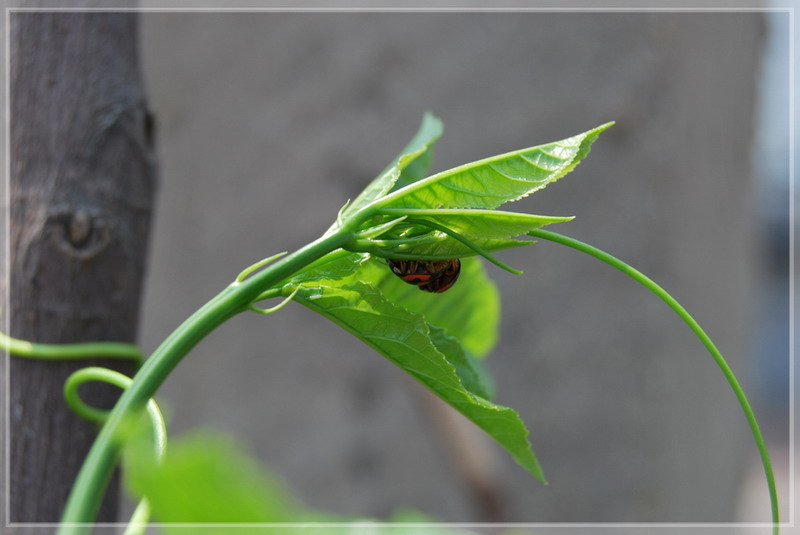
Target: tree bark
{"x":82,"y":183}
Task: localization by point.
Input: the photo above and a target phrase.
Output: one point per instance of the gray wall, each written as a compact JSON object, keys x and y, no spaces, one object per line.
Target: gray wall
{"x":268,"y":122}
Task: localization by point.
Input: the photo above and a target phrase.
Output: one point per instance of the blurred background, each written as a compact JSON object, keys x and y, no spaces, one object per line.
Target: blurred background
{"x":269,"y":121}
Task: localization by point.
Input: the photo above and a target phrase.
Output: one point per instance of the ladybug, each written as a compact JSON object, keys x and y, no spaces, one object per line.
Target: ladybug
{"x":436,"y":277}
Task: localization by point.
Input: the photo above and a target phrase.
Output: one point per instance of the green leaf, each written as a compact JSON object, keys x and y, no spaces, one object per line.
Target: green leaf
{"x":207,"y":478}
{"x":405,"y":339}
{"x":410,"y":165}
{"x":469,"y":311}
{"x":494,"y":181}
{"x":475,"y":323}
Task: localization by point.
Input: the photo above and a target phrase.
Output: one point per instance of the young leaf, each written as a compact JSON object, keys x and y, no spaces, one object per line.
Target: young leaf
{"x":417,"y":168}
{"x":494,"y":181}
{"x":418,"y":152}
{"x":404,"y":338}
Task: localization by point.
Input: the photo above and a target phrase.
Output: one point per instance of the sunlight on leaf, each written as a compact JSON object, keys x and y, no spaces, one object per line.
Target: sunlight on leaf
{"x":494,"y":181}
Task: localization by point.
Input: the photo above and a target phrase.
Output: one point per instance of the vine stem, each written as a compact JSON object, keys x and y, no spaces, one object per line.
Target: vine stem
{"x":93,"y":478}
{"x":138,"y":522}
{"x":88,"y":350}
{"x":648,"y":283}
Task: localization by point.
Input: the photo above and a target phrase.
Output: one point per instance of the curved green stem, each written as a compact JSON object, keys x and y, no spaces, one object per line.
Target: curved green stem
{"x":372,"y":244}
{"x":277,"y":307}
{"x":248,"y":270}
{"x":92,"y":480}
{"x":122,"y":381}
{"x":268,"y":294}
{"x":137,"y":525}
{"x":113,"y":350}
{"x":340,"y":214}
{"x":645,"y":281}
{"x":377,"y":230}
{"x":138,"y":522}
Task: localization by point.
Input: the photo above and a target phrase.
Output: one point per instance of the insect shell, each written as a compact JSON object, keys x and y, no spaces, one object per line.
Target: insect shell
{"x":436,"y":277}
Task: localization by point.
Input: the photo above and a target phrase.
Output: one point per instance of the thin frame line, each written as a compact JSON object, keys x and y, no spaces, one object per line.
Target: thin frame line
{"x":7,"y":299}
{"x":791,"y":268}
{"x":407,"y":9}
{"x":366,"y":524}
{"x":790,"y":11}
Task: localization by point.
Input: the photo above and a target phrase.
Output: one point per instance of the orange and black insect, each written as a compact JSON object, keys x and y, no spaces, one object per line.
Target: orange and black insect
{"x":436,"y":277}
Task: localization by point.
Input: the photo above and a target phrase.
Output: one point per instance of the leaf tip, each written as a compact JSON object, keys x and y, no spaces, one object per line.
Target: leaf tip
{"x":430,"y":120}
{"x":588,"y":138}
{"x":535,"y":469}
{"x":428,"y":115}
{"x":559,"y":219}
{"x":596,"y":131}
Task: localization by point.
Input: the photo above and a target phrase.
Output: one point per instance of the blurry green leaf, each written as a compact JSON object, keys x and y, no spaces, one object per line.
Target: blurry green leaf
{"x":410,"y":165}
{"x":207,"y":478}
{"x":406,"y":515}
{"x":405,"y":339}
{"x":494,"y":181}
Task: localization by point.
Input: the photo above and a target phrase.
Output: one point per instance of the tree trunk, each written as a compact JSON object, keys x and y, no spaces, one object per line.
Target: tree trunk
{"x":81,"y":193}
